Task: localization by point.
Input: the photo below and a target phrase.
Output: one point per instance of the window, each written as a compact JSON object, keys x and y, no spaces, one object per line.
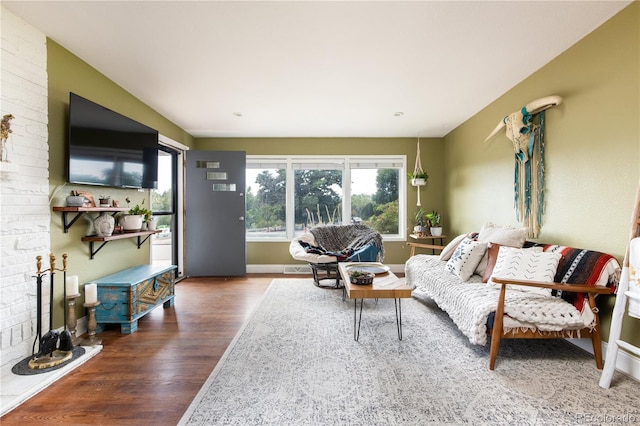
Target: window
{"x":287,"y":195}
{"x":266,"y":200}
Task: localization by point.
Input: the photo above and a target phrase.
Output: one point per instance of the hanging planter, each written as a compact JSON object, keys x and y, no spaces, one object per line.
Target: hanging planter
{"x":419,"y":177}
{"x":419,"y":180}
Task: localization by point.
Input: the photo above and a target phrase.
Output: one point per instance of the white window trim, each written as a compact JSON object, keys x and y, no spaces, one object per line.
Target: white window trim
{"x":289,"y":160}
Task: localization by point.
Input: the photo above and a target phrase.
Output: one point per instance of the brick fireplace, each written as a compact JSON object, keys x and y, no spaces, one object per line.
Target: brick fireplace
{"x":24,"y":184}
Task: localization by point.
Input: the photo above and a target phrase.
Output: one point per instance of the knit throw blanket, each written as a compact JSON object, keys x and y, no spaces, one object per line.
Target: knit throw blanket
{"x":470,"y":303}
{"x":336,"y":238}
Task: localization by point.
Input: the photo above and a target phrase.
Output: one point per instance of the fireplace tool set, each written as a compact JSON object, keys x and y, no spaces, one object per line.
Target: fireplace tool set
{"x":53,"y":348}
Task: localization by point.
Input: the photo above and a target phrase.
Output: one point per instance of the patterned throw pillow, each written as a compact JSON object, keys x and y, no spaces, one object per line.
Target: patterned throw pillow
{"x":492,"y":255}
{"x":502,"y":235}
{"x":448,"y":250}
{"x":524,"y":264}
{"x":465,"y":258}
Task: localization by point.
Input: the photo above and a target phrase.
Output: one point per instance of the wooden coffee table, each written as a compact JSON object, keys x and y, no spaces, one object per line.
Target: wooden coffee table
{"x":386,"y":285}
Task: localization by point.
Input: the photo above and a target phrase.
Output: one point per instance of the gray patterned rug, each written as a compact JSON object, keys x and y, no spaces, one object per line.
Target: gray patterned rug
{"x":295,"y":362}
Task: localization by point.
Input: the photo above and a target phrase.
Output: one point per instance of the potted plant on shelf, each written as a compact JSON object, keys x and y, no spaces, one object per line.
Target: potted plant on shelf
{"x":435,"y":221}
{"x":418,"y":179}
{"x":132,"y":221}
{"x":151,"y":222}
{"x":146,"y":220}
{"x":75,"y":199}
{"x":104,"y":200}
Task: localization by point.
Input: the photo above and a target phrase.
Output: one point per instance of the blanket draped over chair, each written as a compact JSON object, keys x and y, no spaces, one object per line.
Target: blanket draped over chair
{"x":335,"y":238}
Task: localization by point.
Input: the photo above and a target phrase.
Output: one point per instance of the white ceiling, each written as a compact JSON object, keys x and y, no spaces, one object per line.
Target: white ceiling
{"x":317,"y":68}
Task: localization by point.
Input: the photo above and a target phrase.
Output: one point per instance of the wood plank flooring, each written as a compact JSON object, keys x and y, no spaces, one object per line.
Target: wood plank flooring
{"x":151,"y":376}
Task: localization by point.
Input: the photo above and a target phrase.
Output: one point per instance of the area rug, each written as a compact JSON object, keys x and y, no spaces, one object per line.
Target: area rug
{"x":295,"y":362}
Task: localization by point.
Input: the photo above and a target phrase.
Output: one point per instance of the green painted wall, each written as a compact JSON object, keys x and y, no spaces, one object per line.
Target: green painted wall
{"x":67,"y":73}
{"x":592,"y":149}
{"x":431,"y":196}
{"x":593,"y":155}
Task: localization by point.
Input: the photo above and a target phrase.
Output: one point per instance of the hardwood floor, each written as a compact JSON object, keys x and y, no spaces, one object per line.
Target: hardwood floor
{"x":151,"y":376}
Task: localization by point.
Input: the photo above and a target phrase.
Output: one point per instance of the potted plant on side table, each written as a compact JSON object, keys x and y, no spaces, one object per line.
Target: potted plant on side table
{"x":420,"y":227}
{"x":436,"y":225}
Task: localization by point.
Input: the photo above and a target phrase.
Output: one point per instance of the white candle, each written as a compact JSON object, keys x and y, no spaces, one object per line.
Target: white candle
{"x":90,"y":293}
{"x":71,"y":285}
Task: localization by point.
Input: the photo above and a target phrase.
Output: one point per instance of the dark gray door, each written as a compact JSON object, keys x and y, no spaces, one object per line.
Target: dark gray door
{"x":215,"y":210}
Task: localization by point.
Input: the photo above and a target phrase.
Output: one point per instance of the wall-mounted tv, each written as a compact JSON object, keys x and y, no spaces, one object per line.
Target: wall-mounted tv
{"x":109,"y":149}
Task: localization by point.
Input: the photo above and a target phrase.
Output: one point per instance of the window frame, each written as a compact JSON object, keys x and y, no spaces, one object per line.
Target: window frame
{"x":346,"y":160}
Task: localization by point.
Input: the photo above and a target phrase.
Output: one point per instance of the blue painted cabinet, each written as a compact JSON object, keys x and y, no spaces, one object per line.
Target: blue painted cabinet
{"x":128,"y":295}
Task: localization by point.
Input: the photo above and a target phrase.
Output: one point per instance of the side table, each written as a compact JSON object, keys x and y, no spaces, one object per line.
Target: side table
{"x":428,"y":244}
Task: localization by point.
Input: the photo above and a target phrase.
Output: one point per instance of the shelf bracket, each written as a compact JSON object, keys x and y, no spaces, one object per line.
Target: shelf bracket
{"x":141,"y":242}
{"x":66,"y":225}
{"x":94,"y":252}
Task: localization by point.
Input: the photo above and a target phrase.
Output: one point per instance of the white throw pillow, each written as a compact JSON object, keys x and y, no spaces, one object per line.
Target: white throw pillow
{"x":503,"y":235}
{"x":448,"y":250}
{"x":465,"y":258}
{"x":525,"y":264}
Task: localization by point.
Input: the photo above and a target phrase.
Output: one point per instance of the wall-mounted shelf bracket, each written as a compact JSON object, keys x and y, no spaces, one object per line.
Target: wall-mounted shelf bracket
{"x":68,"y":225}
{"x":94,"y":252}
{"x":141,"y":242}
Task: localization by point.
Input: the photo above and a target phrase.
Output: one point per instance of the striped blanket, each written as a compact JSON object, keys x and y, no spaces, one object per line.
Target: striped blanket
{"x":580,"y":266}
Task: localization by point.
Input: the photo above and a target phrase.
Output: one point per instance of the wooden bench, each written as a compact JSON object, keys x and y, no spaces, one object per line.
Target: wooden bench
{"x":128,"y":295}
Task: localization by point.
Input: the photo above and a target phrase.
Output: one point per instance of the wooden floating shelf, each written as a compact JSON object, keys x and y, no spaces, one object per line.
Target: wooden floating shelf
{"x":119,"y":236}
{"x":91,"y":239}
{"x":90,"y":209}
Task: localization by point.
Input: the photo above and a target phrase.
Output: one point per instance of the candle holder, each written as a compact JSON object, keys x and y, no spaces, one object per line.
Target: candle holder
{"x":91,"y":325}
{"x":72,"y":322}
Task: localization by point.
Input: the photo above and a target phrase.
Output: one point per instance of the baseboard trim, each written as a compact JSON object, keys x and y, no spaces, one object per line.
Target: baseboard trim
{"x":265,"y":269}
{"x":625,"y":362}
{"x":82,"y":326}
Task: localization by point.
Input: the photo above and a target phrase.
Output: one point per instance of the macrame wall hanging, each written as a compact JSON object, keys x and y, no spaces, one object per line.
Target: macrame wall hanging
{"x":525,"y":129}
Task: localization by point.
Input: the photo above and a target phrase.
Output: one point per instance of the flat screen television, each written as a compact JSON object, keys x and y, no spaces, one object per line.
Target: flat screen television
{"x":109,"y":149}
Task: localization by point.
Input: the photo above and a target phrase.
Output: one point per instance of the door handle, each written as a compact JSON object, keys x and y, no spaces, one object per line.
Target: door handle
{"x":241,"y":218}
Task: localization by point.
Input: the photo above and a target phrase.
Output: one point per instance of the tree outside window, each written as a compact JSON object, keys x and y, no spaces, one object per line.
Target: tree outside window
{"x":266,"y":203}
{"x":318,"y":189}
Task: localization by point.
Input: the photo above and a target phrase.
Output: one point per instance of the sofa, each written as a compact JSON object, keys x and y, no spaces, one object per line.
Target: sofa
{"x":322,"y":247}
{"x":495,"y":283}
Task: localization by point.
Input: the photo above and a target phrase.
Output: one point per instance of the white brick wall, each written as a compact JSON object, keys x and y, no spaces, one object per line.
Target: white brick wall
{"x":24,"y":185}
